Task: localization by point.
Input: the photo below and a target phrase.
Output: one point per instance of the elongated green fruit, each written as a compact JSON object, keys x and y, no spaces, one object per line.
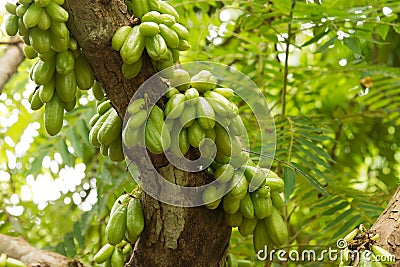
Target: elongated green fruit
{"x":32,"y":15}
{"x":43,"y":71}
{"x":136,"y":105}
{"x":97,"y":91}
{"x":11,"y":8}
{"x":130,"y":71}
{"x":276,"y":184}
{"x":46,"y":91}
{"x":121,"y":200}
{"x":260,"y":237}
{"x":53,"y":115}
{"x":276,"y":228}
{"x":57,"y":12}
{"x":156,"y":47}
{"x":192,"y":96}
{"x":231,"y":205}
{"x":119,"y":37}
{"x":152,"y":16}
{"x":350,"y":236}
{"x":175,"y":106}
{"x":233,"y":220}
{"x":170,"y":36}
{"x":240,"y":184}
{"x":135,"y":220}
{"x":84,"y":73}
{"x":115,"y":151}
{"x":247,"y":226}
{"x":385,"y":256}
{"x":131,"y":138}
{"x":11,"y":262}
{"x":117,"y":258}
{"x":231,"y":261}
{"x":137,"y":120}
{"x":205,"y":113}
{"x":196,"y":134}
{"x":3,"y":258}
{"x":188,"y":116}
{"x":210,"y":197}
{"x":66,"y":86}
{"x":40,"y":40}
{"x":224,"y":173}
{"x":116,"y":226}
{"x":111,"y":128}
{"x":44,"y":22}
{"x":149,"y":28}
{"x":65,"y":62}
{"x":104,"y":253}
{"x":94,"y":141}
{"x":247,"y":207}
{"x":132,"y":49}
{"x":277,"y":200}
{"x":262,"y":206}
{"x":36,"y":102}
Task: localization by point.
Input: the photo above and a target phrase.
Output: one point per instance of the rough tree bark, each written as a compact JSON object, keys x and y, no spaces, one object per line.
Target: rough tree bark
{"x":9,"y":62}
{"x":18,"y":248}
{"x":388,"y":227}
{"x":173,"y":236}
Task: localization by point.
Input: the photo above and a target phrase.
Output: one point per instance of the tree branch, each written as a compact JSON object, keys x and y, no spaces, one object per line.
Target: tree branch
{"x":9,"y":63}
{"x":388,"y":227}
{"x":18,"y":248}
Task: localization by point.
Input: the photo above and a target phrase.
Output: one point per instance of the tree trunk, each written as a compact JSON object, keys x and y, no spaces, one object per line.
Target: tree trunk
{"x":18,"y":248}
{"x":388,"y":227}
{"x":173,"y":236}
{"x":9,"y":62}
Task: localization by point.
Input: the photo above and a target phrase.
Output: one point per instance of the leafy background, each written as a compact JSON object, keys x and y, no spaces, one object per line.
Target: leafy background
{"x":311,"y":59}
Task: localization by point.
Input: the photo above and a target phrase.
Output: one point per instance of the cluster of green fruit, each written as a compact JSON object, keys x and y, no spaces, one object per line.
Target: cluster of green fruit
{"x":124,"y":227}
{"x":370,"y":255}
{"x":196,"y":110}
{"x":10,"y":262}
{"x":61,"y":66}
{"x":106,"y":130}
{"x":159,"y":32}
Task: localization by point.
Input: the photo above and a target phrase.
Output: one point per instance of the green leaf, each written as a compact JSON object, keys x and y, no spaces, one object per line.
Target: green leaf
{"x":340,"y":218}
{"x":289,"y":176}
{"x":347,"y":227}
{"x":76,"y":143}
{"x":62,"y":148}
{"x":316,"y":38}
{"x":250,"y":22}
{"x":352,"y":44}
{"x":382,"y":30}
{"x":314,"y":182}
{"x":78,"y":234}
{"x":69,"y":245}
{"x":336,"y":208}
{"x":327,"y":201}
{"x":326,"y":45}
{"x":60,"y":249}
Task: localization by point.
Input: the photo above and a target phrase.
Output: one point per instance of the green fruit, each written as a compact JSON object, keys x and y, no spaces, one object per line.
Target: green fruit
{"x":137,"y":120}
{"x":245,"y":263}
{"x":117,"y":258}
{"x":20,"y":10}
{"x":221,"y":105}
{"x":131,"y":138}
{"x":175,"y":106}
{"x":246,"y":207}
{"x":135,"y":220}
{"x":188,"y":116}
{"x":183,"y":45}
{"x":149,"y":28}
{"x":224,"y":173}
{"x":104,"y":253}
{"x":192,"y":96}
{"x":69,"y":106}
{"x":239,"y":160}
{"x":53,"y":115}
{"x":254,"y":176}
{"x":231,"y":261}
{"x":66,"y":86}
{"x":222,"y":140}
{"x":40,"y":40}
{"x":32,"y":15}
{"x":11,"y":8}
{"x":57,"y":12}
{"x":11,"y":262}
{"x":130,"y":71}
{"x":205,"y":113}
{"x":46,"y":91}
{"x":44,"y":22}
{"x":11,"y":24}
{"x":152,"y":16}
{"x":275,"y":183}
{"x":97,"y":91}
{"x":277,"y":200}
{"x":95,"y":129}
{"x":43,"y":71}
{"x":65,"y":62}
{"x":170,"y":92}
{"x":104,"y":106}
{"x":121,"y":200}
{"x":196,"y":134}
{"x":262,"y":206}
{"x":116,"y":226}
{"x":119,"y":37}
{"x":170,"y":36}
{"x":276,"y":228}
{"x":167,"y":19}
{"x":132,"y":49}
{"x":182,"y":31}
{"x":231,"y":205}
{"x":153,"y":138}
{"x":43,"y":3}
{"x":261,"y":238}
{"x":29,"y":52}
{"x":36,"y":103}
{"x":233,"y":220}
{"x":165,"y":8}
{"x":236,"y":127}
{"x":136,"y":106}
{"x":84,"y":73}
{"x":156,"y":47}
{"x":226,"y":92}
{"x":247,"y":226}
{"x":138,"y":7}
{"x":25,"y":2}
{"x":210,"y":133}
{"x":181,"y":80}
{"x":385,"y":256}
{"x":48,"y":55}
{"x":94,"y":119}
{"x":59,"y":30}
{"x":210,"y":197}
{"x":184,"y":144}
{"x":111,"y":129}
{"x":115,"y":151}
{"x":240,"y":185}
